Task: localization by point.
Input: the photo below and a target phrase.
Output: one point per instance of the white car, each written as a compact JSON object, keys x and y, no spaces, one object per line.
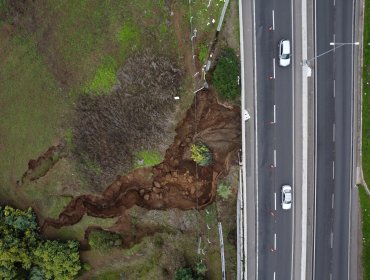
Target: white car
{"x":284,"y":53}
{"x":286,"y":197}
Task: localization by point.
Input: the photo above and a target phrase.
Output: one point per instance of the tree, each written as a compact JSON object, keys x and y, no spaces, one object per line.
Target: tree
{"x":57,"y":260}
{"x":103,"y":240}
{"x":225,"y":75}
{"x":201,"y":154}
{"x":224,"y":190}
{"x":24,"y":255}
{"x":184,"y":274}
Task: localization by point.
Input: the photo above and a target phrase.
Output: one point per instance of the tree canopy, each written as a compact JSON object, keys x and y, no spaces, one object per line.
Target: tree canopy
{"x":225,"y":75}
{"x":24,"y":255}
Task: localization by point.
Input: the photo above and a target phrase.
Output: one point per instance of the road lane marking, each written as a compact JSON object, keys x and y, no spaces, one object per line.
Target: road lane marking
{"x":332,"y":201}
{"x":334,"y":88}
{"x":331,"y":276}
{"x":274,"y":275}
{"x":275,"y":200}
{"x":331,"y":240}
{"x":275,"y":242}
{"x":273,"y":63}
{"x":333,"y":132}
{"x":274,"y":113}
{"x":333,"y":169}
{"x":334,"y":42}
{"x":273,"y":20}
{"x":274,"y":158}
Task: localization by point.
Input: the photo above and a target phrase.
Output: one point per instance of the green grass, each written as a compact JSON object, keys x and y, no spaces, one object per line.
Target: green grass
{"x":366,"y":99}
{"x":77,"y":231}
{"x":31,"y":108}
{"x":104,"y":78}
{"x":203,"y":52}
{"x":365,"y":202}
{"x":147,"y":158}
{"x":365,"y":205}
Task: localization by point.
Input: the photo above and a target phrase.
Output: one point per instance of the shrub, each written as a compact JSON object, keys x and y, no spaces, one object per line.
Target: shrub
{"x":224,"y":190}
{"x":184,"y":274}
{"x":103,"y":240}
{"x":201,"y":154}
{"x":158,"y":241}
{"x":200,"y":268}
{"x":225,"y":75}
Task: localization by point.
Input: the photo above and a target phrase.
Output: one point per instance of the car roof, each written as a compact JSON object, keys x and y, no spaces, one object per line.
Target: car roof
{"x":286,"y":46}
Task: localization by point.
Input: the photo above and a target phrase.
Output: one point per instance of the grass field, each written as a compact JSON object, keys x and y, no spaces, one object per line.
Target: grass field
{"x":365,"y":201}
{"x":57,"y":51}
{"x":365,"y":205}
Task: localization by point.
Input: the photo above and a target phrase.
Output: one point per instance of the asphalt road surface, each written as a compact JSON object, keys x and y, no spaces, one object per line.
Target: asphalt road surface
{"x":334,"y":103}
{"x":273,"y":22}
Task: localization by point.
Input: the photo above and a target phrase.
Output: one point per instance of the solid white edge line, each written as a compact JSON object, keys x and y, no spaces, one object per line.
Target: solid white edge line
{"x":352,"y":154}
{"x":256,"y":131}
{"x":244,"y":225}
{"x":315,"y":148}
{"x":273,"y":20}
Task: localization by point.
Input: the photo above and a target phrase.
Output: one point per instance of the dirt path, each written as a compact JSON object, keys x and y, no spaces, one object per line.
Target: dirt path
{"x":176,"y":182}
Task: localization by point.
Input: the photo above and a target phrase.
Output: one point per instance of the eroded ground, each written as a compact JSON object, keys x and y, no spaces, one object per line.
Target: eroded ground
{"x":175,"y":183}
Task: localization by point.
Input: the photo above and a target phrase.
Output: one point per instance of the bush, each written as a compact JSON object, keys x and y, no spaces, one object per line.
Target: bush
{"x":184,"y":274}
{"x":225,"y":75}
{"x":224,"y":190}
{"x":103,"y":240}
{"x":201,"y":268}
{"x":201,"y":154}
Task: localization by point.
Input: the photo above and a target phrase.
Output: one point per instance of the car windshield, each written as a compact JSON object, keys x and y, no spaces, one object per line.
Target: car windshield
{"x":285,"y":56}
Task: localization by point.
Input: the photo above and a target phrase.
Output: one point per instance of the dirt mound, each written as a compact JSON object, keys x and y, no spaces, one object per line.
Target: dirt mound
{"x":175,"y":183}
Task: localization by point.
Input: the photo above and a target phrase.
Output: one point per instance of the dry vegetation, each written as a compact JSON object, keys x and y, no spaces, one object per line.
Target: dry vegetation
{"x":137,"y":114}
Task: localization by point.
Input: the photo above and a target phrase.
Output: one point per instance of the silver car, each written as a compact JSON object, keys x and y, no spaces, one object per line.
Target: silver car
{"x":284,"y":52}
{"x":286,"y":197}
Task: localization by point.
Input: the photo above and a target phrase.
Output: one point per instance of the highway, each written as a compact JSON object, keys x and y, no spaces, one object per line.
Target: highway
{"x":300,"y":133}
{"x":334,"y":78}
{"x":274,"y":91}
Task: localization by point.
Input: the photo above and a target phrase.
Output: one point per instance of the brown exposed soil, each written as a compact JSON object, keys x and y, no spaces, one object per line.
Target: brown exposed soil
{"x":39,"y":167}
{"x":175,"y":183}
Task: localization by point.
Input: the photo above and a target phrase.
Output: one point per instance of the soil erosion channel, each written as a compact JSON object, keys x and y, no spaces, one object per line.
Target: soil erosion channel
{"x":176,"y":182}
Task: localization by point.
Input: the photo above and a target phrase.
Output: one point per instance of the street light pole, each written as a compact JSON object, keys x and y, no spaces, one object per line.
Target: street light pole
{"x":336,"y":46}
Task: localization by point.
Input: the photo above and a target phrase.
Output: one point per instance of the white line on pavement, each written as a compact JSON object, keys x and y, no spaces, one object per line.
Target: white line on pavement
{"x":273,"y":63}
{"x":332,"y":201}
{"x":334,"y":88}
{"x":275,"y":242}
{"x":275,"y":201}
{"x":334,"y":42}
{"x":274,"y":158}
{"x":333,"y":169}
{"x":331,"y":240}
{"x":273,"y":20}
{"x":274,"y":275}
{"x":333,"y":132}
{"x":331,"y":276}
{"x":274,"y":113}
